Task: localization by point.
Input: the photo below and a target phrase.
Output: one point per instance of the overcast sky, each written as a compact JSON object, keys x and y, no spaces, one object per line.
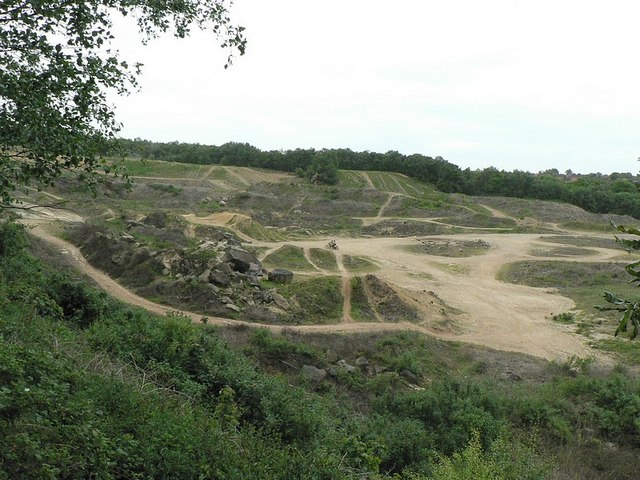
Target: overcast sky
{"x":526,"y":85}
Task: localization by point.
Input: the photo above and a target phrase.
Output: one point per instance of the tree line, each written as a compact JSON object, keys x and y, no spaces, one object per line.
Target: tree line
{"x":596,"y":192}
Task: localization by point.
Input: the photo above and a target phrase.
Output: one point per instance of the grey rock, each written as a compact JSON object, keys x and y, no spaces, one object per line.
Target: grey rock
{"x":315,"y":374}
{"x":226,"y":300}
{"x":362,"y":362}
{"x":280,"y":275}
{"x":331,"y":356}
{"x":120,"y":258}
{"x":280,"y":301}
{"x":409,"y":376}
{"x":255,"y":269}
{"x":240,"y":260}
{"x":513,"y":376}
{"x":233,"y":307}
{"x":204,"y":276}
{"x":253,"y":280}
{"x":156,"y":219}
{"x":132,"y":223}
{"x":219,"y":278}
{"x":345,"y":366}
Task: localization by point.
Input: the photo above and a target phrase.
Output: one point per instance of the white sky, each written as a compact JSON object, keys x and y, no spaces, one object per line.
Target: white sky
{"x":526,"y":85}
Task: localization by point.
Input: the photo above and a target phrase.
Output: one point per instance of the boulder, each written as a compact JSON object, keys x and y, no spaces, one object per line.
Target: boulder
{"x":362,"y":362}
{"x":233,"y":307}
{"x":121,"y":257}
{"x":345,"y":366}
{"x":280,"y":275}
{"x":280,"y":301}
{"x":315,"y":374}
{"x":240,"y":260}
{"x":255,"y":269}
{"x":156,"y":219}
{"x":409,"y":376}
{"x":219,"y":278}
{"x":204,"y":276}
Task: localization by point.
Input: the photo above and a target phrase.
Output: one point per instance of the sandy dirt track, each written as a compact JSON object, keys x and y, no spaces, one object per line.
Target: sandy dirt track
{"x":495,"y":314}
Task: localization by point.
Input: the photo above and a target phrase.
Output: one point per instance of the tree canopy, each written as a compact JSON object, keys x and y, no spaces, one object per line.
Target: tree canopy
{"x":57,"y":66}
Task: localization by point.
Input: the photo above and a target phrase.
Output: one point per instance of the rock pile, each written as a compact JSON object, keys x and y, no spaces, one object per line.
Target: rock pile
{"x":216,"y":275}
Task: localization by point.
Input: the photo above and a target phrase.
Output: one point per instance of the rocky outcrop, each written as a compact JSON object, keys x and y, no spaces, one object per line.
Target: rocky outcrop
{"x":280,"y":275}
{"x":217,"y":276}
{"x":314,"y":374}
{"x":241,"y":260}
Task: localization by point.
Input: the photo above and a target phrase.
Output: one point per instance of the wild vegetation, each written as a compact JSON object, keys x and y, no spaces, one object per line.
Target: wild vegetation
{"x":91,"y":387}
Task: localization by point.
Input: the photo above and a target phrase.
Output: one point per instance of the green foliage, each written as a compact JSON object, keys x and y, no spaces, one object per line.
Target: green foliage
{"x":319,"y":300}
{"x":12,"y":239}
{"x":58,"y":64}
{"x":358,"y":264}
{"x":323,"y":170}
{"x":278,"y":347}
{"x":290,"y":257}
{"x":564,"y":317}
{"x":165,"y":188}
{"x":630,"y":308}
{"x":451,"y":410}
{"x":507,"y":459}
{"x":324,"y":259}
{"x":90,"y":388}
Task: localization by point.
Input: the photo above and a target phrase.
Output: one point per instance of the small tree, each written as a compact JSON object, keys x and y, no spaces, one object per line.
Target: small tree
{"x":56,"y":67}
{"x":630,"y":309}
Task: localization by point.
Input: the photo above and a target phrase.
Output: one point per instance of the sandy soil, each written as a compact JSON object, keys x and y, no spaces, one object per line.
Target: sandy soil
{"x":495,"y":314}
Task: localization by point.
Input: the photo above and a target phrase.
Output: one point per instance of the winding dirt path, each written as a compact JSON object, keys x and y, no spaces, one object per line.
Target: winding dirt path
{"x":496,"y":314}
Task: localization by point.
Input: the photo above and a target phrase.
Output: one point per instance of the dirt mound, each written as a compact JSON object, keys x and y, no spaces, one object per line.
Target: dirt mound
{"x":405,"y":228}
{"x":386,"y":302}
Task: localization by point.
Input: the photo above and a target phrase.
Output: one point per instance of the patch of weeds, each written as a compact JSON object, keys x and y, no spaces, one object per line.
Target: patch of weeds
{"x":318,"y":300}
{"x":628,"y":350}
{"x":581,"y":241}
{"x":279,"y":347}
{"x":387,"y":302}
{"x":324,"y":259}
{"x":565,"y":318}
{"x":361,"y":309}
{"x":258,"y":231}
{"x":358,"y":264}
{"x":290,"y":257}
{"x":479,"y":220}
{"x":562,"y":252}
{"x":588,"y":226}
{"x":449,"y":248}
{"x":583,"y":282}
{"x":166,"y":188}
{"x":584,"y":328}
